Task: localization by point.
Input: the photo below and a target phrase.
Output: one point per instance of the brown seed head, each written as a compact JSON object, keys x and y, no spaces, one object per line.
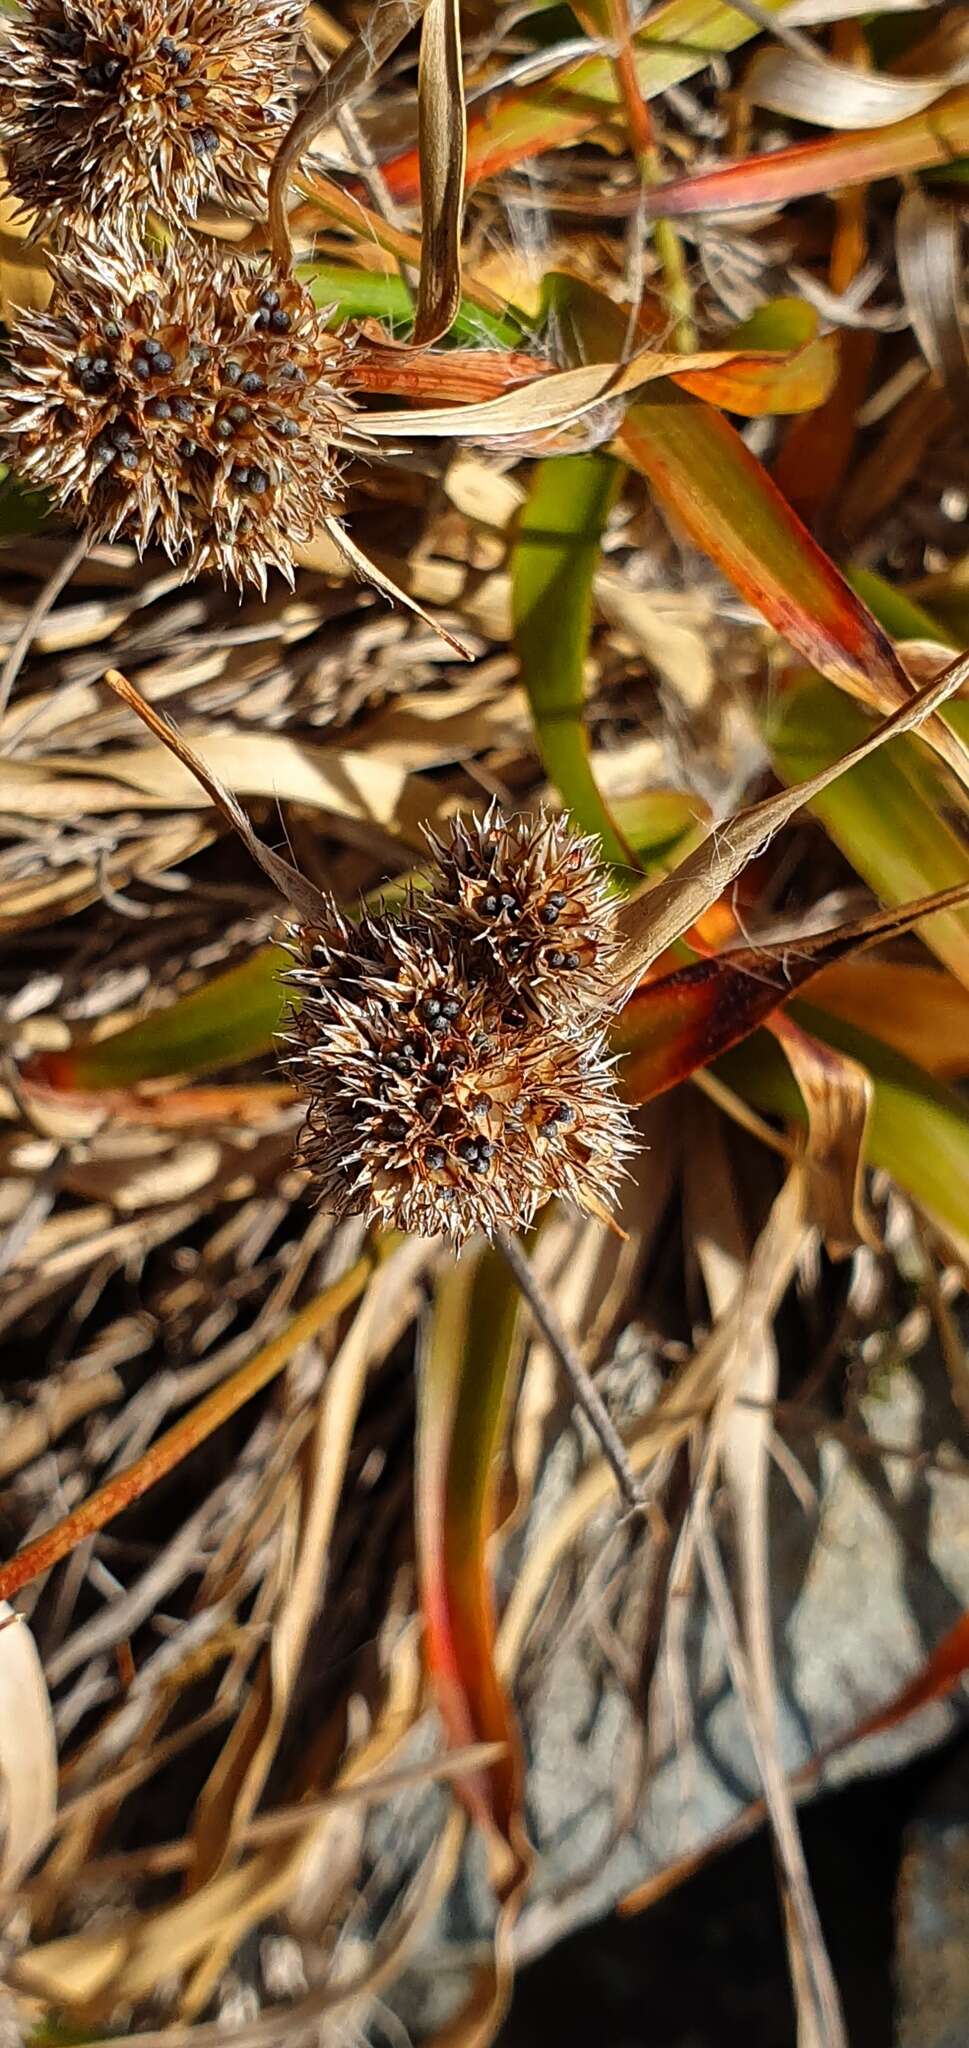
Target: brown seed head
{"x":435,"y":1102}
{"x":188,"y":403}
{"x":112,"y":108}
{"x":531,"y":903}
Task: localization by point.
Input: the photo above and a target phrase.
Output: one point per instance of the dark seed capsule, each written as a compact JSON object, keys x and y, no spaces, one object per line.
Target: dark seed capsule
{"x":252,"y":382}
{"x":440,"y":1073}
{"x":232,"y":372}
{"x":451,"y":1008}
{"x":478,"y":1164}
{"x":516,"y":1019}
{"x":183,"y":101}
{"x":395,"y":1127}
{"x":91,"y":382}
{"x":288,"y":428}
{"x":101,"y":366}
{"x":549,"y":913}
{"x":200,"y":352}
{"x":240,"y":475}
{"x":258,"y":482}
{"x":80,"y":363}
{"x":486,"y":1151}
{"x":490,"y":905}
{"x":434,"y":1157}
{"x":150,"y":347}
{"x":162,"y":363}
{"x":431,"y":1007}
{"x":141,"y":368}
{"x":280,"y":321}
{"x":564,"y":1114}
{"x":187,"y":447}
{"x":427,"y":1106}
{"x":210,"y":139}
{"x":558,"y":898}
{"x":223,"y":430}
{"x":270,"y":300}
{"x":555,"y":957}
{"x":198,"y":143}
{"x":514,"y":948}
{"x":111,"y":331}
{"x":239,"y":415}
{"x":112,"y":69}
{"x":261,"y":320}
{"x":166,"y":47}
{"x":508,"y":902}
{"x":467,"y":1149}
{"x":183,"y":59}
{"x":128,"y":457}
{"x":159,"y":409}
{"x":121,"y":434}
{"x":93,"y":76}
{"x":572,"y":961}
{"x":103,"y":448}
{"x":183,"y":409}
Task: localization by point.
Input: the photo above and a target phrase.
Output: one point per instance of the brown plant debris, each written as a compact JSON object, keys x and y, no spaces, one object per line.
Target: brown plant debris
{"x":185,"y":401}
{"x":117,"y":107}
{"x":436,"y":1101}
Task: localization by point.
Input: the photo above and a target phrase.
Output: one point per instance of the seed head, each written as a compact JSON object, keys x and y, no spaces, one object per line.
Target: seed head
{"x":436,"y":1102}
{"x":188,"y":403}
{"x":529,"y":898}
{"x":112,"y":108}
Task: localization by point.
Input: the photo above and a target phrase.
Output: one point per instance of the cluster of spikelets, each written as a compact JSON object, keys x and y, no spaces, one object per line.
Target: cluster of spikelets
{"x":169,"y":394}
{"x":452,"y":1053}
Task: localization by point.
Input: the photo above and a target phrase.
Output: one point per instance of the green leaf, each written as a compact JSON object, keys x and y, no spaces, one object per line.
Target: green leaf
{"x":553,"y":565}
{"x":891,"y":816}
{"x":231,"y":1018}
{"x":374,"y":295}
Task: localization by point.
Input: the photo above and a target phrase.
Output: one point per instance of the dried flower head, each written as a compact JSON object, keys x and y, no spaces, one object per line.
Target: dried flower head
{"x":191,"y":403}
{"x":436,"y":1101}
{"x":111,"y":108}
{"x":529,"y":898}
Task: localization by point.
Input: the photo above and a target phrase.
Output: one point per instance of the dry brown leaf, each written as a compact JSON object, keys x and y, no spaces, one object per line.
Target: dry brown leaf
{"x":443,"y":143}
{"x":839,"y":1096}
{"x":810,"y":87}
{"x":928,"y":250}
{"x":28,"y":1751}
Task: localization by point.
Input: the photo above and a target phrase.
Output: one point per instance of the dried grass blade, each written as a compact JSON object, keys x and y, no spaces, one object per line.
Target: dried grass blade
{"x":809,"y":87}
{"x":385,"y":28}
{"x":839,"y":1097}
{"x":553,"y":401}
{"x":443,"y":142}
{"x":28,"y":1751}
{"x":930,"y":272}
{"x":660,"y":915}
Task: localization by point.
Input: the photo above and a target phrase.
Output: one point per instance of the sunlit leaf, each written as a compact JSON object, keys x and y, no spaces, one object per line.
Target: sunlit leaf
{"x":553,"y":565}
{"x":891,"y":815}
{"x":919,"y":1130}
{"x":466,"y":1382}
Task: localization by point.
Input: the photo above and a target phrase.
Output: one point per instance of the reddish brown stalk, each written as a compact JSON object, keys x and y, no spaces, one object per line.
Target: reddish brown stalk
{"x":461,"y":375}
{"x":184,"y":1436}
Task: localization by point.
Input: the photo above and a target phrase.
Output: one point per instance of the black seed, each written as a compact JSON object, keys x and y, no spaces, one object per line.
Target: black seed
{"x":288,"y":428}
{"x":81,"y":362}
{"x":232,"y":372}
{"x":199,"y":353}
{"x":187,"y":447}
{"x":209,"y":138}
{"x":559,"y":898}
{"x":280,"y":321}
{"x":112,"y":69}
{"x":103,"y":447}
{"x":239,"y":415}
{"x":261,"y":320}
{"x":121,"y":435}
{"x":572,"y":961}
{"x":438,"y":1023}
{"x":555,"y":957}
{"x":412,"y":1047}
{"x":427,"y":1106}
{"x":516,"y":1019}
{"x":151,"y":348}
{"x":111,"y":330}
{"x":162,"y":363}
{"x":159,"y":409}
{"x":490,"y":905}
{"x":508,"y":902}
{"x":452,"y":1007}
{"x":141,"y":368}
{"x":93,"y":75}
{"x":395,"y":1127}
{"x":128,"y":458}
{"x":287,"y":370}
{"x":434,"y":1157}
{"x":198,"y":146}
{"x":549,"y":913}
{"x":91,"y":382}
{"x":486,"y":1151}
{"x":183,"y":101}
{"x":223,"y":430}
{"x":467,"y":1149}
{"x":183,"y":409}
{"x":253,"y":382}
{"x":440,"y":1073}
{"x":183,"y":59}
{"x":258,"y":482}
{"x":166,"y":47}
{"x":431,"y":1006}
{"x":514,"y":948}
{"x":477,"y":1164}
{"x":459,"y":1062}
{"x":240,"y":475}
{"x":270,"y":300}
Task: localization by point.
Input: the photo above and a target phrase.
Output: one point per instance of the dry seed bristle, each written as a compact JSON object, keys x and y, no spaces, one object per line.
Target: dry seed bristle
{"x":112,"y":108}
{"x":188,"y":403}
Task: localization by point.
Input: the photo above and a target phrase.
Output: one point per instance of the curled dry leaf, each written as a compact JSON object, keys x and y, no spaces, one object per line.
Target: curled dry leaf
{"x":28,"y":1752}
{"x":931,"y":274}
{"x":813,"y":88}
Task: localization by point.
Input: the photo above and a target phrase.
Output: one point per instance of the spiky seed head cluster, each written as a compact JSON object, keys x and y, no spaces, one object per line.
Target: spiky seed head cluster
{"x":438,"y":1101}
{"x":182,"y":402}
{"x":110,"y":109}
{"x":529,"y":896}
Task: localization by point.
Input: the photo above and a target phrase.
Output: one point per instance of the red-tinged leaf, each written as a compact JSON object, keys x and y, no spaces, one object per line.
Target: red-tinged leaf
{"x":922,"y":1013}
{"x":682,"y":1021}
{"x":927,"y":140}
{"x":677,"y":40}
{"x":466,"y":1382}
{"x":705,"y":475}
{"x":796,"y":376}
